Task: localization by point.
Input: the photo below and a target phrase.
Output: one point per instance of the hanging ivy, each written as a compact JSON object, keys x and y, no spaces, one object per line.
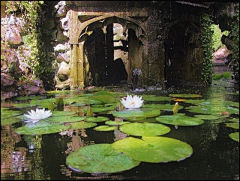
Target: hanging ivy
{"x":235,"y":28}
{"x":206,"y":39}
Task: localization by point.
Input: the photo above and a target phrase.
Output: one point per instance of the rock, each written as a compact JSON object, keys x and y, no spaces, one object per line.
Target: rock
{"x":64,"y":69}
{"x":6,"y":80}
{"x":13,"y":37}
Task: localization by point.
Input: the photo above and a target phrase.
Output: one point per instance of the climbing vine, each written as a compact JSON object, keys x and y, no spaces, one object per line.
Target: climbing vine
{"x":235,"y":30}
{"x":206,"y":39}
{"x":30,"y":12}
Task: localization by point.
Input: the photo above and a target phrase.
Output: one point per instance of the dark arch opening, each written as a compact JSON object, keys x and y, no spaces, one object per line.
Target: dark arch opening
{"x":110,"y":59}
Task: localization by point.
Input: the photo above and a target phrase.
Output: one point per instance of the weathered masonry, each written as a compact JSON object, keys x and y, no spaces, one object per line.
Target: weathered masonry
{"x":110,"y":39}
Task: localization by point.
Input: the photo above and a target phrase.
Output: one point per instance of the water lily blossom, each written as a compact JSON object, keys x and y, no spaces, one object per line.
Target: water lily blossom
{"x":35,"y":116}
{"x":132,"y":102}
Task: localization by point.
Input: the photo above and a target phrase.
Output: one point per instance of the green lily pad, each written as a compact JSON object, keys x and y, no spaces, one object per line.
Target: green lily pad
{"x":104,"y":97}
{"x":82,"y":124}
{"x":233,"y":125}
{"x":234,"y":136}
{"x":42,"y":103}
{"x":185,"y":95}
{"x":9,"y":113}
{"x":96,"y":119}
{"x":153,"y":149}
{"x":234,"y":119}
{"x":165,"y":107}
{"x":78,"y":104}
{"x":179,"y":120}
{"x":21,"y":105}
{"x":99,"y":158}
{"x":145,"y":129}
{"x":207,"y":117}
{"x":212,"y":109}
{"x":101,"y":108}
{"x":116,"y":122}
{"x":155,"y":98}
{"x":65,"y":119}
{"x":9,"y":120}
{"x":105,"y":128}
{"x":63,"y":113}
{"x":197,"y":101}
{"x":41,"y":127}
{"x":136,"y":114}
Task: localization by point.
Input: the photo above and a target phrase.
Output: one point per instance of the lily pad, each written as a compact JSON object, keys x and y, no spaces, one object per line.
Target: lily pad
{"x":234,"y":136}
{"x":96,"y":119}
{"x":9,"y":113}
{"x":65,"y":119}
{"x":99,"y":158}
{"x":207,"y":117}
{"x":41,"y":127}
{"x":233,"y":125}
{"x":9,"y":120}
{"x":137,"y":114}
{"x":82,"y":124}
{"x":165,"y":107}
{"x":42,"y":103}
{"x":105,"y":128}
{"x":212,"y":109}
{"x":18,"y":105}
{"x":104,"y":97}
{"x":116,"y":122}
{"x":153,"y":149}
{"x":185,"y":95}
{"x":179,"y":120}
{"x":145,"y":129}
{"x":155,"y":98}
{"x":63,"y":113}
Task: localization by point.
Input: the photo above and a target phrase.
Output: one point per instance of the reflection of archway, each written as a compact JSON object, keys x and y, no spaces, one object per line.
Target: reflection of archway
{"x":86,"y":29}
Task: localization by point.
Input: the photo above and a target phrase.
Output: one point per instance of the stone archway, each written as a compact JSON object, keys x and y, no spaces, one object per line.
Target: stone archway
{"x":82,"y":25}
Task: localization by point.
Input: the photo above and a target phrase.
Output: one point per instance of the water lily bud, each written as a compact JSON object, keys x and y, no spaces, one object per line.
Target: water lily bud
{"x":51,"y":106}
{"x":175,"y":108}
{"x":89,"y":111}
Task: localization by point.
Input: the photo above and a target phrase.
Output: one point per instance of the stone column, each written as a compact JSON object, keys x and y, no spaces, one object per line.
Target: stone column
{"x":155,"y":47}
{"x":76,"y":52}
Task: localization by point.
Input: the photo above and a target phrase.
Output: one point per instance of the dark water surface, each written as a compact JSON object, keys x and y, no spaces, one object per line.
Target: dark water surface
{"x":215,"y":155}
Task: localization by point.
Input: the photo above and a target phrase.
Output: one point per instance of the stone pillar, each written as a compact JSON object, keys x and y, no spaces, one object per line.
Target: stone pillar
{"x":76,"y":52}
{"x":155,"y":47}
{"x":80,"y":70}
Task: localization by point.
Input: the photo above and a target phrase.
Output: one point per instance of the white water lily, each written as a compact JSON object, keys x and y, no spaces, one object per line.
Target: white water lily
{"x":35,"y":116}
{"x":132,"y":102}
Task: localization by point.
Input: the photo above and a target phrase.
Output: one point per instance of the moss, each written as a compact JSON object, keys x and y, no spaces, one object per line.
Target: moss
{"x":227,"y":75}
{"x":217,"y":76}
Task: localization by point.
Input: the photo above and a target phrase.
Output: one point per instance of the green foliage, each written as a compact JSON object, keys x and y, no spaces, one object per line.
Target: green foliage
{"x":226,"y":75}
{"x":223,"y":75}
{"x":217,"y":35}
{"x":235,"y":29}
{"x":207,"y":45}
{"x":217,"y":76}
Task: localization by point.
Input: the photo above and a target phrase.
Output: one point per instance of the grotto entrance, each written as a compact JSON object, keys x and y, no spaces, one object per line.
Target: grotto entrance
{"x":105,"y":48}
{"x":111,"y":56}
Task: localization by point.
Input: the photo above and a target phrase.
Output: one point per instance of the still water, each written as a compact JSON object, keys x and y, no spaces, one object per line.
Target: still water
{"x":215,"y":155}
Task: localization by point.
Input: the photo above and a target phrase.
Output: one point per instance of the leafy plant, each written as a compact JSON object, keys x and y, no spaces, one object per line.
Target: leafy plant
{"x":207,"y":45}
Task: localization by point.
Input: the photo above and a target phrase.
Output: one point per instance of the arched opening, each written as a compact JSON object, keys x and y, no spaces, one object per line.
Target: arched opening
{"x":111,"y":54}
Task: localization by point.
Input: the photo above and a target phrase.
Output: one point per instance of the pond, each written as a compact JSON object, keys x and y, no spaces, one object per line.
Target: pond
{"x":211,"y":116}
